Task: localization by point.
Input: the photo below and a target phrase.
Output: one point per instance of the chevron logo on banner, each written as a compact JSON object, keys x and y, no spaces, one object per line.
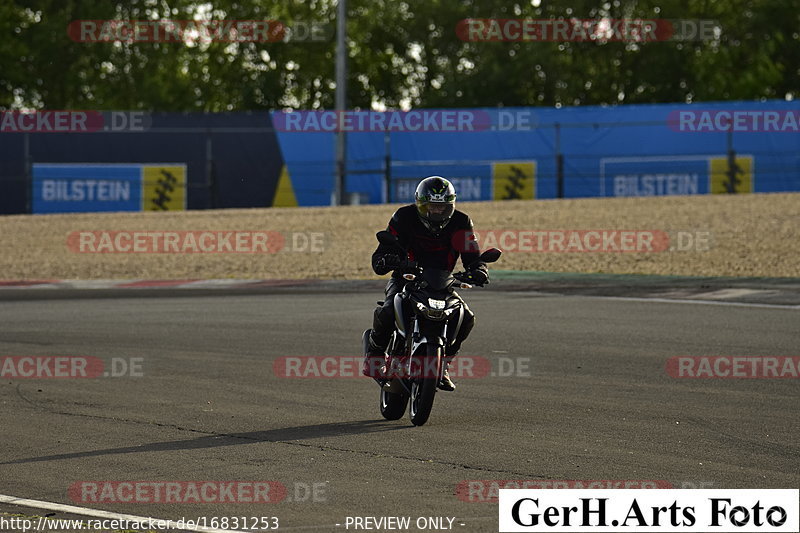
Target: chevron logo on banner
{"x":514,"y":180}
{"x":731,"y":176}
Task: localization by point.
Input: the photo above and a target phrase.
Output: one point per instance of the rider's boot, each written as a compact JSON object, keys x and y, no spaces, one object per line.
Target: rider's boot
{"x":446,"y":384}
{"x":374,"y":357}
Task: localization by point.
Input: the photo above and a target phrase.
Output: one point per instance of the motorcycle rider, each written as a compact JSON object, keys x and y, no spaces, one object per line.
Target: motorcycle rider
{"x":434,"y":234}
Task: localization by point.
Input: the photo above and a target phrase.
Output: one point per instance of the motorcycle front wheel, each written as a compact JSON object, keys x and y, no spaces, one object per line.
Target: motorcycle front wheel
{"x":423,"y":386}
{"x":393,"y":404}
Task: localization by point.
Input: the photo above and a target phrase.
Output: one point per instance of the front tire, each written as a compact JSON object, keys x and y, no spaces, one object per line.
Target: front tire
{"x":393,"y":404}
{"x":423,"y":387}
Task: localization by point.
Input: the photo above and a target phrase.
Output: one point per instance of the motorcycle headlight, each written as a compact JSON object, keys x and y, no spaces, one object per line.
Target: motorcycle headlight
{"x":433,"y":314}
{"x":436,"y":304}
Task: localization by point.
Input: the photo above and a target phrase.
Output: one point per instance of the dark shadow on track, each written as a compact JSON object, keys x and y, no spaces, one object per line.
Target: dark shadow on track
{"x":213,"y":440}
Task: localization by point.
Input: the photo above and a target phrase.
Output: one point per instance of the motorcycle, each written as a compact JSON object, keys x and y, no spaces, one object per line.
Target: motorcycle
{"x":424,"y":311}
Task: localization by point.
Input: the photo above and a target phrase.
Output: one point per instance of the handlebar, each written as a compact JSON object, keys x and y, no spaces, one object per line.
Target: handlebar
{"x":458,"y":276}
{"x":462,"y":277}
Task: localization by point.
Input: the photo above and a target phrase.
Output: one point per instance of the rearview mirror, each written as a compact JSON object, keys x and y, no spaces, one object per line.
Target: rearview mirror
{"x":491,"y":255}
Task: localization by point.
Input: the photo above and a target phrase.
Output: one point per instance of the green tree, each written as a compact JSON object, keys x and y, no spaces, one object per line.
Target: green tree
{"x":401,"y":53}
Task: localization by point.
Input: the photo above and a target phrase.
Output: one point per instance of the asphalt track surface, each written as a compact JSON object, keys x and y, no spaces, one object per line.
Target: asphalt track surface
{"x":593,"y":403}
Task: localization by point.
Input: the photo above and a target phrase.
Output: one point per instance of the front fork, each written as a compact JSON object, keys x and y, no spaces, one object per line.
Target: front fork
{"x":431,"y":331}
{"x":426,"y":333}
{"x":404,"y":349}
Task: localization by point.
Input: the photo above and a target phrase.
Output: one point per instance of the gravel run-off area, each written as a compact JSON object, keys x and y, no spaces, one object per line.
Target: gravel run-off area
{"x":709,"y":235}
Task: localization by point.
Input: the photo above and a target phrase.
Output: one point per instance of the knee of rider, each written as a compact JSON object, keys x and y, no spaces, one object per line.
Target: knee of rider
{"x":384,"y":313}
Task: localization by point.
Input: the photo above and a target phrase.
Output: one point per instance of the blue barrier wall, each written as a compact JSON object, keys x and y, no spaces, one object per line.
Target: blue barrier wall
{"x":232,"y":159}
{"x":633,"y":150}
{"x":237,"y":159}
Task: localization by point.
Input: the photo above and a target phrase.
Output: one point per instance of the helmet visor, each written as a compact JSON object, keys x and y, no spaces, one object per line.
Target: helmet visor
{"x":437,"y":211}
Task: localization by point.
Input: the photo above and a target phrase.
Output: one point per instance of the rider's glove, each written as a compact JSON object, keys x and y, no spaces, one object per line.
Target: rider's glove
{"x":389,"y":262}
{"x":478,"y":276}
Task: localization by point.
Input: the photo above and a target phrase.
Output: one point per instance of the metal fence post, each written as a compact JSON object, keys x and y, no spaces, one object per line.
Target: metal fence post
{"x":212,"y":193}
{"x":733,"y":169}
{"x":559,"y":164}
{"x":26,"y":142}
{"x":387,"y":166}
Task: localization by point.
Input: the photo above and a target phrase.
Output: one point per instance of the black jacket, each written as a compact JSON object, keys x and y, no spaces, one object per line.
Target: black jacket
{"x":440,"y":250}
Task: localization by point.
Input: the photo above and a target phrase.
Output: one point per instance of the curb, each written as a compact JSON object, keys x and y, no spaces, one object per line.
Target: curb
{"x":771,"y":291}
{"x":154,"y":284}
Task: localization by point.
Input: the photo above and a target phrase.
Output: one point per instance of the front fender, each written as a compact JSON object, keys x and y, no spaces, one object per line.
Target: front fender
{"x":431,"y":332}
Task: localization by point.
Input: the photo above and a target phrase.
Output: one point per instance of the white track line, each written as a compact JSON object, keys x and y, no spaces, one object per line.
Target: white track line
{"x":85,"y":511}
{"x":697,"y":302}
{"x":544,"y":294}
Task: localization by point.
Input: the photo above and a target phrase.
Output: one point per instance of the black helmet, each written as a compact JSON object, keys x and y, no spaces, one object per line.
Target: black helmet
{"x":436,"y":202}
